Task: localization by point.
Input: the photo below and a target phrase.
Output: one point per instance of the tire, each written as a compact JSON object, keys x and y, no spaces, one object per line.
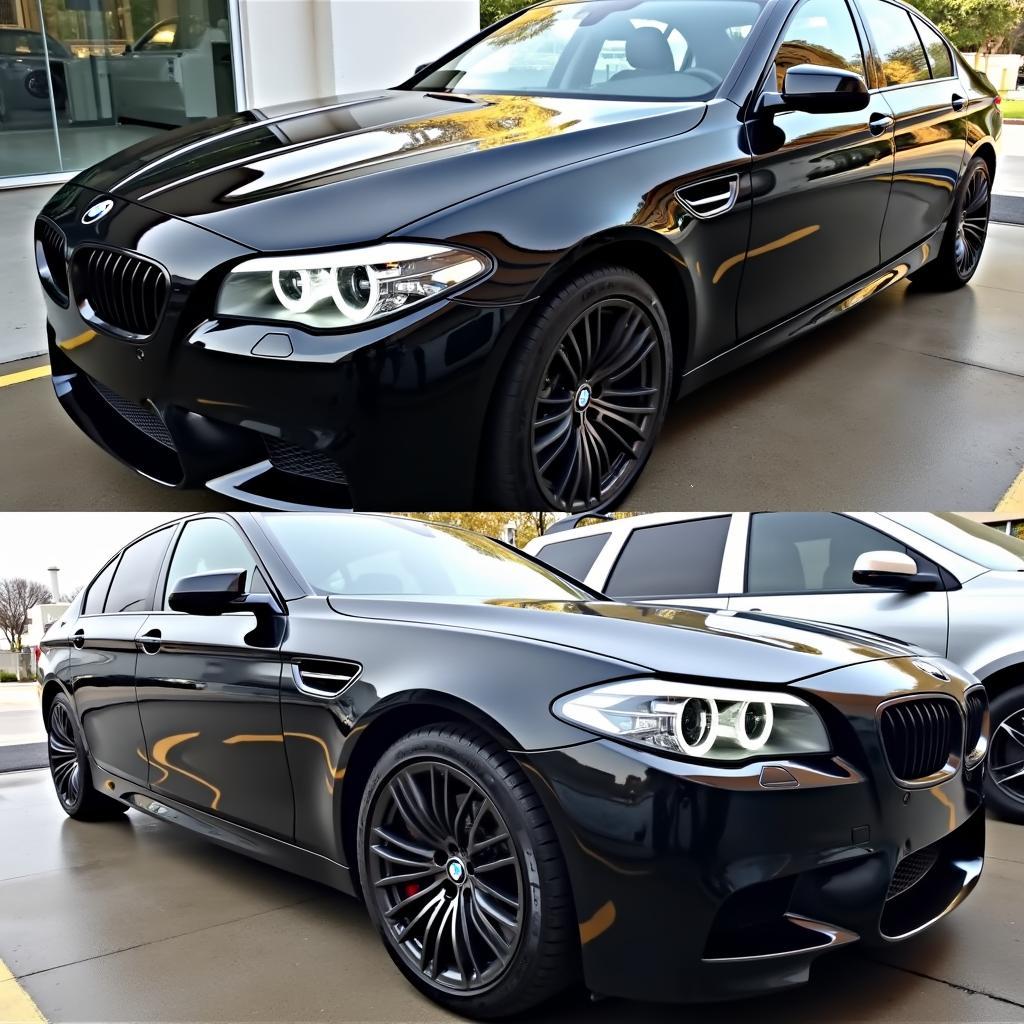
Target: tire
{"x":965,"y":233}
{"x":577,"y":348}
{"x":462,"y":776}
{"x":69,"y":768}
{"x":1007,"y":711}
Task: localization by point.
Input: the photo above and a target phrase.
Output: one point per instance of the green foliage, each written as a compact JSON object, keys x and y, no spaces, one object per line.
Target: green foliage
{"x":494,"y":10}
{"x":8,"y":677}
{"x":990,"y":26}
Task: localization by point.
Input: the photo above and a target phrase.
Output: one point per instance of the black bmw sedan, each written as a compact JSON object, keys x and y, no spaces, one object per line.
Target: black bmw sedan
{"x":484,"y":288}
{"x":526,"y":783}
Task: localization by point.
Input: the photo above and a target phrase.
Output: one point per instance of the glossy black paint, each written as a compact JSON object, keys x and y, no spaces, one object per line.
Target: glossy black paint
{"x":543,"y":185}
{"x":238,"y":749}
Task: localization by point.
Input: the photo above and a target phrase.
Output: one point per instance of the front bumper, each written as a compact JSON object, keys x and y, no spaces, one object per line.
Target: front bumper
{"x":373,"y":418}
{"x":697,"y":883}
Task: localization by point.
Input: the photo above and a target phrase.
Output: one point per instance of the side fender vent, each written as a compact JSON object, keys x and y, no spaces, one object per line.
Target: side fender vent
{"x":712,"y":197}
{"x":324,"y":679}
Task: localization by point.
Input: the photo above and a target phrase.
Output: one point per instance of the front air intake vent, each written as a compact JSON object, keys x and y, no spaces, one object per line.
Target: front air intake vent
{"x":120,"y":290}
{"x":922,"y":738}
{"x":289,"y":458}
{"x":51,"y":259}
{"x":976,"y":729}
{"x":325,"y":679}
{"x":911,"y":870}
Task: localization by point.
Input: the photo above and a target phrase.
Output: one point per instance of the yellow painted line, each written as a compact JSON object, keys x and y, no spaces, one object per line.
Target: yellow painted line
{"x":23,"y":375}
{"x":16,"y":1006}
{"x":1012,"y":504}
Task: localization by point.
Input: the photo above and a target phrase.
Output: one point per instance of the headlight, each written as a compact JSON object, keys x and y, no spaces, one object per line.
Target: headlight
{"x":706,"y":722}
{"x":341,"y":289}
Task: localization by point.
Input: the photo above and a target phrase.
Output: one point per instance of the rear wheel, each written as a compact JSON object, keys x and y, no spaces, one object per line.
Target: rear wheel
{"x":1004,"y":782}
{"x":583,"y":397}
{"x":964,"y":241}
{"x":463,"y":875}
{"x":69,"y":768}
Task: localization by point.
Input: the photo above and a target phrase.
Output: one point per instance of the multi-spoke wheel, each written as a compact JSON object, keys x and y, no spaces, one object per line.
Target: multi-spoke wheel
{"x":462,"y":876}
{"x":961,"y":250}
{"x":583,"y":397}
{"x":1005,"y":779}
{"x":69,"y":768}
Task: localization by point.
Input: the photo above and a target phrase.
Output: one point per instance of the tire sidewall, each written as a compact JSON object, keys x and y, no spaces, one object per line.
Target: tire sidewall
{"x":1005,"y":806}
{"x":558,"y":315}
{"x":419,"y":747}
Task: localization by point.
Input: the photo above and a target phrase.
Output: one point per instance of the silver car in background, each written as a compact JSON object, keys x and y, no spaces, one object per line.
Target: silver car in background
{"x":940,"y":581}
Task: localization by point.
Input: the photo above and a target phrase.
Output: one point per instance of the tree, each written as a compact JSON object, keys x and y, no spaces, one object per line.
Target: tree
{"x":494,"y":10}
{"x":17,"y":597}
{"x":988,"y":26}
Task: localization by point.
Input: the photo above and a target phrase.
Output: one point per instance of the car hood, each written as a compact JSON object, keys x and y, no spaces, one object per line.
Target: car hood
{"x":354,"y":169}
{"x":707,"y":643}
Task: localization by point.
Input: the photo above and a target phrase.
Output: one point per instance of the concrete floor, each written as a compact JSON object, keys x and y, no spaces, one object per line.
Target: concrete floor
{"x":140,"y":921}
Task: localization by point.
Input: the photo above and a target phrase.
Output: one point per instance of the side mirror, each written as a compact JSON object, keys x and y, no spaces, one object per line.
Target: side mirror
{"x":209,"y":593}
{"x":892,"y":570}
{"x":420,"y":68}
{"x":817,"y":90}
{"x":218,"y":593}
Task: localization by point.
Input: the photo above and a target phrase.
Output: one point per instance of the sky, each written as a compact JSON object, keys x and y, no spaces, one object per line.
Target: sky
{"x":78,"y":543}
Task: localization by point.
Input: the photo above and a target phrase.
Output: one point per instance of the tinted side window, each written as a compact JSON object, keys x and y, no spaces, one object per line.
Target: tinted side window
{"x":574,"y":557}
{"x":673,"y":560}
{"x":801,"y":552}
{"x":211,"y":545}
{"x":937,"y":50}
{"x":97,"y":595}
{"x":820,"y":32}
{"x":903,"y":58}
{"x":135,"y":579}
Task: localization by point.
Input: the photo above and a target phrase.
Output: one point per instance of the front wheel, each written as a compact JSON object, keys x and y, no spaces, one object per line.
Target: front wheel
{"x":463,"y":876}
{"x":69,"y":768}
{"x":964,"y":241}
{"x":1004,"y":782}
{"x":581,"y":400}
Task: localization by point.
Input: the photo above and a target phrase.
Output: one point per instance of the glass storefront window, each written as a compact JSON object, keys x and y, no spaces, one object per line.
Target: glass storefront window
{"x":81,"y":79}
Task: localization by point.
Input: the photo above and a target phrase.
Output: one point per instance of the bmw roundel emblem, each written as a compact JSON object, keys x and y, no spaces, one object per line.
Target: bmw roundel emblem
{"x":97,"y":211}
{"x":456,"y":870}
{"x":932,"y":669}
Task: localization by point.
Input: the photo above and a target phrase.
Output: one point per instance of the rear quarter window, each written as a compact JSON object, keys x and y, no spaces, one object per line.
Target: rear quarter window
{"x":574,"y":557}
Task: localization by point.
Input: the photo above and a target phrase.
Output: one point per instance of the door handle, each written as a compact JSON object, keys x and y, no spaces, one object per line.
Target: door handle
{"x":959,"y":102}
{"x":78,"y":639}
{"x":149,"y":643}
{"x":879,"y":124}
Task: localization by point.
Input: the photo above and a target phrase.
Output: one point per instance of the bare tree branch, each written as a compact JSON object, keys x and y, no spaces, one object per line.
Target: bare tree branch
{"x":17,"y":597}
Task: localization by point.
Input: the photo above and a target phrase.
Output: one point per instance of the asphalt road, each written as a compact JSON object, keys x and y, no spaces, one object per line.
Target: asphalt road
{"x":910,"y":401}
{"x":141,"y":921}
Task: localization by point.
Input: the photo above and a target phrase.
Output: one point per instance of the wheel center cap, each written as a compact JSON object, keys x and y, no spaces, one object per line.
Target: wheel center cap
{"x":456,"y":870}
{"x":583,"y":396}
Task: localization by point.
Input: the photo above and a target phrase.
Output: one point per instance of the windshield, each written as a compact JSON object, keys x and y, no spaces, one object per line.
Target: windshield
{"x":355,"y":556}
{"x":979,"y":543}
{"x":614,"y":49}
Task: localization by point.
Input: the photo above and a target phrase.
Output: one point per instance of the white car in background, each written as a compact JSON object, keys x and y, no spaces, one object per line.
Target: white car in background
{"x":942,"y":582}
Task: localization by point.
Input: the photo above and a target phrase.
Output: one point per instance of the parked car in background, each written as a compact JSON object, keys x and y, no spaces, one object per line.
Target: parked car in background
{"x":941,"y":581}
{"x":486,"y":286}
{"x":24,"y":83}
{"x":525,"y":781}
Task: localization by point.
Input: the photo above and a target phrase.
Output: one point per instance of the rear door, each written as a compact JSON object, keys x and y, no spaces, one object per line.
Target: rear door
{"x":104,"y":656}
{"x":920,"y":86}
{"x":210,"y":702}
{"x":801,"y":564}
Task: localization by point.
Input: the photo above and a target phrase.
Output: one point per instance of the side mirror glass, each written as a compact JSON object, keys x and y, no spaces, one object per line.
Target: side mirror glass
{"x":892,"y":570}
{"x":815,"y":89}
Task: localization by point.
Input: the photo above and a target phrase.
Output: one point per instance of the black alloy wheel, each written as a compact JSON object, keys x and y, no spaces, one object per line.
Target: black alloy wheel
{"x":1005,"y":770}
{"x":579,"y":408}
{"x":597,"y":409}
{"x":462,"y":874}
{"x":964,"y":241}
{"x":69,"y":768}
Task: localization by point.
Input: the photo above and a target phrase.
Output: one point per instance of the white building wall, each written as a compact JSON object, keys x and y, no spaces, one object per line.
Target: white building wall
{"x":303,"y":49}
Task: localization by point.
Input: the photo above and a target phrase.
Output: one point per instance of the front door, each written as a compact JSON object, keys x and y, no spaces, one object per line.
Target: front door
{"x":103,"y":658}
{"x":800,"y":564}
{"x":820,"y":182}
{"x":210,"y":701}
{"x":929,"y":104}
